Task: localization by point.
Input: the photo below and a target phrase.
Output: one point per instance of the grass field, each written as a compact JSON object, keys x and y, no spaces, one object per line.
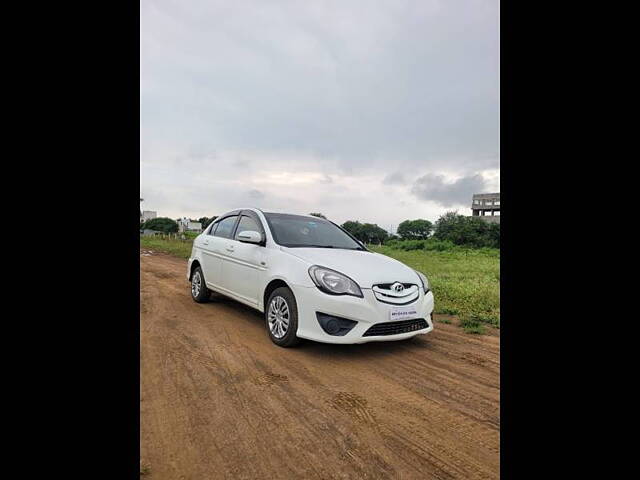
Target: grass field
{"x":177,"y":248}
{"x":465,"y":282}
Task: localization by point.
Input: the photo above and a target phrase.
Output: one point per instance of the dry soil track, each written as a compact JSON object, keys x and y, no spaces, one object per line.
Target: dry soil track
{"x":219,"y":400}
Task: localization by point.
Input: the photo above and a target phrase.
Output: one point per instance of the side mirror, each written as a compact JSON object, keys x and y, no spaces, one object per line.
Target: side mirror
{"x":249,"y":236}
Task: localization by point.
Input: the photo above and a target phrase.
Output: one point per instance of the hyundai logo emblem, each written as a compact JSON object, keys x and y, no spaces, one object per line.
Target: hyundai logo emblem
{"x":397,"y":287}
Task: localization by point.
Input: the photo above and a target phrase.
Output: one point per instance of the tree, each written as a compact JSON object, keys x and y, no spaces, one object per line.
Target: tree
{"x":319,"y":215}
{"x":354,"y":228}
{"x":446,"y":225}
{"x":493,"y":235}
{"x":373,"y":233}
{"x":206,"y":221}
{"x":415,"y":229}
{"x":471,"y":231}
{"x":161,"y":224}
{"x":366,"y":232}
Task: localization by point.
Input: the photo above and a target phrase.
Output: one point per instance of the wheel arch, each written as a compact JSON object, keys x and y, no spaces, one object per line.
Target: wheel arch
{"x":195,"y":263}
{"x":271,"y":286}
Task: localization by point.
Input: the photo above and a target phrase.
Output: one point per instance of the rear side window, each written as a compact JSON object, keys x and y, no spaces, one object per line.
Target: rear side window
{"x":247,"y":223}
{"x":225,"y":227}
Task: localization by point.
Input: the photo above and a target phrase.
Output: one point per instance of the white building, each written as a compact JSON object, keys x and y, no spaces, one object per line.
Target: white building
{"x":147,"y":215}
{"x":186,"y":225}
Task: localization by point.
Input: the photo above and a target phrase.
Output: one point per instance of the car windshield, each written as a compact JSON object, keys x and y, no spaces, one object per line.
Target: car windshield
{"x":297,"y":231}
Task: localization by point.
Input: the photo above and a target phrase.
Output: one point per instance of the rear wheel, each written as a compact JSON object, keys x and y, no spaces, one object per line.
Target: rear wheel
{"x":199,"y":291}
{"x":281,"y":317}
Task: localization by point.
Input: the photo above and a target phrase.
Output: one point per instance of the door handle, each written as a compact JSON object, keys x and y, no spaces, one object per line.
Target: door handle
{"x":229,"y":249}
{"x":205,"y":242}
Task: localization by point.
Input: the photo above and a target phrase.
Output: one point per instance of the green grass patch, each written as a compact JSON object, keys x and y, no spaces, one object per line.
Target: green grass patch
{"x":465,"y":282}
{"x":172,"y":246}
{"x":145,"y":469}
{"x":471,"y":325}
{"x":449,"y":311}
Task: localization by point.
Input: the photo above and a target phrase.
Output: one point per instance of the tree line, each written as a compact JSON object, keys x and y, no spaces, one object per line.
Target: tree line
{"x":168,"y":225}
{"x":450,"y":227}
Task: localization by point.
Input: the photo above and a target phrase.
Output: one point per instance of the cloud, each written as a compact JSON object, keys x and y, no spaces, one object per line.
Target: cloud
{"x":314,"y":105}
{"x":396,"y":178}
{"x":256,"y":194}
{"x":326,"y":179}
{"x":433,"y":187}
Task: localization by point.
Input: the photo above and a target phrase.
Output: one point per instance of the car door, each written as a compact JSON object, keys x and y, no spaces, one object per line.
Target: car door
{"x":245,"y":263}
{"x":213,"y":251}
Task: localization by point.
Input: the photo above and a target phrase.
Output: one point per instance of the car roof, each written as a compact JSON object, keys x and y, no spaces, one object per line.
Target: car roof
{"x":255,"y":209}
{"x":293,"y":214}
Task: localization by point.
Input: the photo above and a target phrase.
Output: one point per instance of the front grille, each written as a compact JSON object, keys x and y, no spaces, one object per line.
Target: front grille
{"x":385,"y":294}
{"x":394,"y":328}
{"x":387,"y":286}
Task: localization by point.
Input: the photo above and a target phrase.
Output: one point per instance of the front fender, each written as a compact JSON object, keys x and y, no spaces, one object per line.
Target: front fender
{"x":291,"y":270}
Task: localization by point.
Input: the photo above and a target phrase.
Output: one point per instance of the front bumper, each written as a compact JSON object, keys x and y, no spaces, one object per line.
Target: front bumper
{"x":366,"y":311}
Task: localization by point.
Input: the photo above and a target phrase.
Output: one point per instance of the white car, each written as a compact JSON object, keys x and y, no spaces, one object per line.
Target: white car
{"x":311,"y":279}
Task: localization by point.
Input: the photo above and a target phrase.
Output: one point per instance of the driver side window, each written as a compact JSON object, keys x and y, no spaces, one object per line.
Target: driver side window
{"x":225,"y":227}
{"x":248,"y":223}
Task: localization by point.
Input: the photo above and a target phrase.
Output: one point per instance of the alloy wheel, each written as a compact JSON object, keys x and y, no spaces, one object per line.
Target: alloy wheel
{"x":278,"y":317}
{"x":196,"y":284}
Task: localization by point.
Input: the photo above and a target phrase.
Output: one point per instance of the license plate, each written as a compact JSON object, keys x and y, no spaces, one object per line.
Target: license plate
{"x":403,"y":313}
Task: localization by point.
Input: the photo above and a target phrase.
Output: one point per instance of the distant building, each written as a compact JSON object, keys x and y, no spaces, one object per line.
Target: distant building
{"x":486,"y":206}
{"x":147,"y":215}
{"x":149,"y":233}
{"x":186,"y":225}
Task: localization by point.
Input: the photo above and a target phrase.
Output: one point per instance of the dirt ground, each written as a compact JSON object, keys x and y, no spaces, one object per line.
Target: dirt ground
{"x":219,"y":400}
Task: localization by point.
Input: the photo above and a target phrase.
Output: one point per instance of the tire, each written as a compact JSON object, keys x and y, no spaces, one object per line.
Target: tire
{"x":282,"y":307}
{"x":199,"y":291}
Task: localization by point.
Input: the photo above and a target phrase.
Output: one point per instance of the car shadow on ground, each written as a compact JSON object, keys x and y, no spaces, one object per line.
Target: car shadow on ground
{"x":335,"y":350}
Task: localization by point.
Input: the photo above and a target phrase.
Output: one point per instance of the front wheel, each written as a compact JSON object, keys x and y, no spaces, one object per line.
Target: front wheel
{"x":199,"y":291}
{"x":281,"y":317}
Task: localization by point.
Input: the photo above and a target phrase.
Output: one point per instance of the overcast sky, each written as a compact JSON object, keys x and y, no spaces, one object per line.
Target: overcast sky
{"x":373,"y":111}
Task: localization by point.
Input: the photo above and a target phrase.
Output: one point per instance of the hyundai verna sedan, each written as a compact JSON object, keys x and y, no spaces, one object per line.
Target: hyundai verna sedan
{"x":310,"y":278}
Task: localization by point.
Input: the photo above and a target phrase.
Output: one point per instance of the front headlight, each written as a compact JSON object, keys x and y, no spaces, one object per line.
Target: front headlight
{"x":334,"y":283}
{"x":423,"y":279}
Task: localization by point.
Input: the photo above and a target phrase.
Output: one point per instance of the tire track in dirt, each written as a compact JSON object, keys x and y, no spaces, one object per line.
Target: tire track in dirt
{"x":219,"y":400}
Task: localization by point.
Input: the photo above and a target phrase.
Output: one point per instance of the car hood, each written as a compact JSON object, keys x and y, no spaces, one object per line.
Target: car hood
{"x":366,"y":268}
